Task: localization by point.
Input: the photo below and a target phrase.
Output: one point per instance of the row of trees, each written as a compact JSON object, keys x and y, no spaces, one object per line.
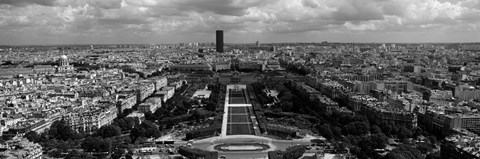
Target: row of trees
{"x":292,"y":152}
{"x":211,"y":104}
{"x":58,"y":140}
{"x":96,"y":144}
{"x":197,"y":153}
{"x":280,"y":132}
{"x":261,"y":97}
{"x":126,"y":124}
{"x":61,"y":141}
{"x":146,"y":129}
{"x":297,"y":68}
{"x":203,"y":132}
{"x":354,"y":131}
{"x":58,"y":131}
{"x":404,"y":152}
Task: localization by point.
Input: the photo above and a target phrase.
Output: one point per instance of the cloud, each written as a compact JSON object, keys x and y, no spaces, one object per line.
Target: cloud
{"x":222,"y":7}
{"x":183,"y":18}
{"x":358,"y":11}
{"x":107,"y":4}
{"x":22,"y":3}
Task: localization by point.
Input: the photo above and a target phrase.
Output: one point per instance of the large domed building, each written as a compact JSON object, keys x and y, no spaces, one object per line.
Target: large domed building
{"x":63,"y":61}
{"x":63,"y":64}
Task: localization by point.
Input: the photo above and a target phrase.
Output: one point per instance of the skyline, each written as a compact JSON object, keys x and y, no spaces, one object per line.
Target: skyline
{"x":50,"y":22}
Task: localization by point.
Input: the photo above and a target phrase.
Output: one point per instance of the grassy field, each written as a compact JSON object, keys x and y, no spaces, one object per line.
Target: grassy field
{"x":239,"y":123}
{"x":238,"y":110}
{"x":239,"y":129}
{"x":237,"y":97}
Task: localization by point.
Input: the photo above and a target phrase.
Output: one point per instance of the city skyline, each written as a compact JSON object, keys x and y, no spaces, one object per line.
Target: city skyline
{"x":47,"y":22}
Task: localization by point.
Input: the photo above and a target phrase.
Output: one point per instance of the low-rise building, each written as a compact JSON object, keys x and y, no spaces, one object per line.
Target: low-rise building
{"x":21,"y":148}
{"x":443,"y":121}
{"x":202,"y":94}
{"x":88,"y":121}
{"x":466,"y":92}
{"x":316,"y":97}
{"x":125,"y":101}
{"x":219,"y":66}
{"x":160,"y":83}
{"x":150,"y":105}
{"x":381,"y":111}
{"x":464,"y":145}
{"x":167,"y":93}
{"x":191,"y":67}
{"x":355,"y":102}
{"x":144,"y":90}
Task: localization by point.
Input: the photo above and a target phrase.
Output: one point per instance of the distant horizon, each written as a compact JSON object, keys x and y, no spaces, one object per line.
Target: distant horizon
{"x":328,"y":42}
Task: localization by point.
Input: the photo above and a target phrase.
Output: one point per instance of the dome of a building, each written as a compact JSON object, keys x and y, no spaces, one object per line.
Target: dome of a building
{"x":63,"y":61}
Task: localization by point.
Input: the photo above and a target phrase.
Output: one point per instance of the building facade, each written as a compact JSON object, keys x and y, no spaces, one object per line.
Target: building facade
{"x":219,"y":40}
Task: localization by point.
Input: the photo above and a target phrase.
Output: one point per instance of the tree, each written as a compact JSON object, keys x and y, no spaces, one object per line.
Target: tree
{"x":395,"y":156}
{"x":91,"y":144}
{"x":163,"y":112}
{"x":96,"y":144}
{"x":105,"y":145}
{"x":294,"y":151}
{"x":356,"y":128}
{"x":119,"y":141}
{"x":137,"y":132}
{"x":153,"y":132}
{"x":404,"y":133}
{"x":424,"y":147}
{"x":337,"y":131}
{"x":197,"y":116}
{"x":419,"y":131}
{"x":287,"y":106}
{"x":89,"y":157}
{"x":150,"y":116}
{"x":32,"y":136}
{"x":375,"y":129}
{"x":73,"y":154}
{"x":210,"y":105}
{"x":367,"y":145}
{"x":432,"y":139}
{"x":60,"y":130}
{"x":435,"y":155}
{"x":129,"y":155}
{"x":387,"y":128}
{"x":120,"y":122}
{"x":109,"y":131}
{"x":326,"y":131}
{"x":55,"y":153}
{"x":131,"y":122}
{"x":118,"y":153}
{"x":148,"y":124}
{"x":379,"y":141}
{"x":149,"y":129}
{"x":404,"y":152}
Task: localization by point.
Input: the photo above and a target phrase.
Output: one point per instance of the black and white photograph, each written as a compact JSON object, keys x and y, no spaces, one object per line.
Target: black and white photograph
{"x":239,"y":79}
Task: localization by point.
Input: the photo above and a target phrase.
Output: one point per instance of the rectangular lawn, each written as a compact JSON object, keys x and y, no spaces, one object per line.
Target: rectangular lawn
{"x":239,"y":129}
{"x":237,"y":100}
{"x":238,"y":110}
{"x":238,"y":118}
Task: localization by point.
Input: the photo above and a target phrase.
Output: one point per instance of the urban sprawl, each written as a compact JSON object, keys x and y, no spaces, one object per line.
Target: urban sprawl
{"x":194,"y":100}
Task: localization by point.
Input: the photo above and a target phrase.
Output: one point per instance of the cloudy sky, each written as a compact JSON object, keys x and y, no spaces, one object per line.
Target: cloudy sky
{"x":244,"y":21}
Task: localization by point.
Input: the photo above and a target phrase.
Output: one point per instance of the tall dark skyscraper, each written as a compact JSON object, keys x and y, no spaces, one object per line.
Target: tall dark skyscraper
{"x":219,"y":40}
